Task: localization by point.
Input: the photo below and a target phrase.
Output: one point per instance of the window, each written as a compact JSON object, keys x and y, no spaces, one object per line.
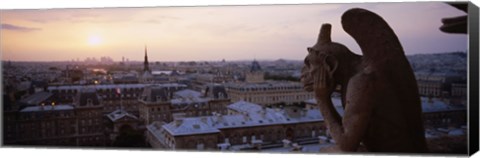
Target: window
{"x":89,"y":101}
{"x":200,"y":146}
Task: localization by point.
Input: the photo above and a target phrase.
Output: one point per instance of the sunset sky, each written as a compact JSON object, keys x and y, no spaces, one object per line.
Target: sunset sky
{"x":209,"y":33}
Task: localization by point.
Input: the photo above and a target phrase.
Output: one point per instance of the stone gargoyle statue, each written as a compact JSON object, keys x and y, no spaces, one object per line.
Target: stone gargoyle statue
{"x":382,"y":108}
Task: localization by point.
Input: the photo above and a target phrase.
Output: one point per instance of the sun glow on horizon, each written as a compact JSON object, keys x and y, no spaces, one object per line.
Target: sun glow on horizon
{"x":210,"y":33}
{"x":94,"y":40}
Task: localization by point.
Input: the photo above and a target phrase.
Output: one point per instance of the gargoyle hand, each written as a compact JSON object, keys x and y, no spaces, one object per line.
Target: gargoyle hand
{"x":323,"y":83}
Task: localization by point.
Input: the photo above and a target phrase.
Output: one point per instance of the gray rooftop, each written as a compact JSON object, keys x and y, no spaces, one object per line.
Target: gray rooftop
{"x":37,"y":98}
{"x":255,"y":67}
{"x":249,"y":118}
{"x":47,"y":108}
{"x":267,"y":84}
{"x":337,"y":102}
{"x":436,"y":105}
{"x":216,"y":91}
{"x":188,"y":101}
{"x":187,"y":93}
{"x":157,"y":93}
{"x":243,"y":106}
{"x":119,"y":114}
{"x":190,"y":126}
{"x":428,"y":105}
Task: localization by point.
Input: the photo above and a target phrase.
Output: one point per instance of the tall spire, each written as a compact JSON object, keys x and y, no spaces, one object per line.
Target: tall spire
{"x":145,"y":63}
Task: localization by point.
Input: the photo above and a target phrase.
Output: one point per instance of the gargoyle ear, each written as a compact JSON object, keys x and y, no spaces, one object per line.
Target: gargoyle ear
{"x":331,"y":63}
{"x":325,"y":32}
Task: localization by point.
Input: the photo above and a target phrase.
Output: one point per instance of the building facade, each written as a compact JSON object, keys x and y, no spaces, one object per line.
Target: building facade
{"x":440,"y":114}
{"x":50,"y":125}
{"x":77,"y":124}
{"x":251,"y":126}
{"x":160,"y":103}
{"x":89,"y":119}
{"x":438,"y":84}
{"x":269,"y":92}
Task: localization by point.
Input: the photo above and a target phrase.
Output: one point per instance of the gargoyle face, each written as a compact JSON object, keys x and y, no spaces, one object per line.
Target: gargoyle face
{"x":320,"y":57}
{"x":313,"y":62}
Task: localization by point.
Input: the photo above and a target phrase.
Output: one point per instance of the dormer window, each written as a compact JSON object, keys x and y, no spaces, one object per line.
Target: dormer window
{"x":89,"y":101}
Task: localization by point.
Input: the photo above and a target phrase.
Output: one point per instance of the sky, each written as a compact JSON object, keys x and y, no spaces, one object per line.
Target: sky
{"x":210,"y":33}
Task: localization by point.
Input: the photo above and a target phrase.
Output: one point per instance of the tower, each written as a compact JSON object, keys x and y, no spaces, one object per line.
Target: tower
{"x":255,"y":75}
{"x":145,"y":62}
{"x":147,"y":73}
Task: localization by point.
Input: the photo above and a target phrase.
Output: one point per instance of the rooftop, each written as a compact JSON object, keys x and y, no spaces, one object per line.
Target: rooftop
{"x":36,"y":98}
{"x":248,"y":118}
{"x":188,"y":100}
{"x":309,"y":148}
{"x":156,"y":93}
{"x":47,"y":108}
{"x":118,"y":114}
{"x":266,"y":84}
{"x":216,"y":91}
{"x":189,"y":126}
{"x":255,"y":66}
{"x":428,"y":105}
{"x":337,"y":102}
{"x":436,"y":105}
{"x":188,"y":93}
{"x":243,"y":106}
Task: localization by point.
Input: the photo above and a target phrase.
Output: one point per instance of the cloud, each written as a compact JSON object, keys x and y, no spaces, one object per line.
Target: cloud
{"x":161,"y":19}
{"x":69,"y":15}
{"x":18,"y":28}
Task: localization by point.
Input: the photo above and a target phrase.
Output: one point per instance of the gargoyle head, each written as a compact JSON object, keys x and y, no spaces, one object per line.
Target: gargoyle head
{"x":325,"y":54}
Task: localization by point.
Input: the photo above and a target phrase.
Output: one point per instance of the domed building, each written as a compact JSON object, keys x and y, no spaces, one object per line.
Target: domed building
{"x":255,"y":74}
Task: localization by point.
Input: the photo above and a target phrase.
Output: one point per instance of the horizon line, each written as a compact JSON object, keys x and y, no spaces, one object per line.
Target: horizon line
{"x":219,"y":60}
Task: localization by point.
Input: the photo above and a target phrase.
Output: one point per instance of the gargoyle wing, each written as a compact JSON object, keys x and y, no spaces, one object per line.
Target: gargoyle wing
{"x":384,"y":57}
{"x":376,"y":39}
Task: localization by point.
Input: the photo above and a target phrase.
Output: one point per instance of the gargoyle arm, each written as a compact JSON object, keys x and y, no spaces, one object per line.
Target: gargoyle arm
{"x":348,"y":132}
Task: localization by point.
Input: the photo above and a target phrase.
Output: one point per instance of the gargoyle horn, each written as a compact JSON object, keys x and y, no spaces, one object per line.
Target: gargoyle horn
{"x":325,"y":33}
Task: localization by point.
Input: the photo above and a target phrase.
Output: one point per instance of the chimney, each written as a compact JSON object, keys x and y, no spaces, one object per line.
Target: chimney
{"x":430,"y":100}
{"x":204,"y":120}
{"x":263,"y":112}
{"x":219,"y":117}
{"x":178,"y":122}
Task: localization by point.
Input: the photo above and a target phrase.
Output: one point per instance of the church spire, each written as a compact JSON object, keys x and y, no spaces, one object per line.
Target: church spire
{"x":145,"y":63}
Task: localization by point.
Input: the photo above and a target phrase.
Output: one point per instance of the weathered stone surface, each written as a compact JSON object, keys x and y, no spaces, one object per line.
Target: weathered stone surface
{"x":379,"y":90}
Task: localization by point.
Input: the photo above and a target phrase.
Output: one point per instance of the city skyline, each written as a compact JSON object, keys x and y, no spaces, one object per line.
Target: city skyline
{"x":210,"y":33}
{"x":211,"y":80}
